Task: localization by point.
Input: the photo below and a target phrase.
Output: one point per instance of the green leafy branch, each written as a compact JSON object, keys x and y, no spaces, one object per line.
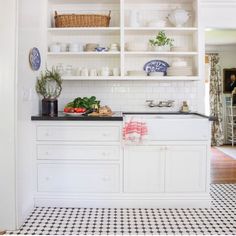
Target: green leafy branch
{"x":49,"y":85}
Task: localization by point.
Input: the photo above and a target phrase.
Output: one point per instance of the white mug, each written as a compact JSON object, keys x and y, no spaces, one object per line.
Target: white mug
{"x":63,"y":47}
{"x":116,"y":71}
{"x":84,"y":72}
{"x":56,"y":47}
{"x":78,"y":71}
{"x":69,"y":70}
{"x":105,"y":71}
{"x":93,"y":72}
{"x":73,"y":47}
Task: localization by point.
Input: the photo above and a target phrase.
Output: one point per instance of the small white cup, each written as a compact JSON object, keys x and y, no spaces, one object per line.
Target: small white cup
{"x":105,"y":71}
{"x":63,"y":47}
{"x":69,"y":70}
{"x":93,"y":72}
{"x":116,"y":71}
{"x":56,"y":47}
{"x":73,"y":47}
{"x":84,"y":72}
{"x":78,"y":71}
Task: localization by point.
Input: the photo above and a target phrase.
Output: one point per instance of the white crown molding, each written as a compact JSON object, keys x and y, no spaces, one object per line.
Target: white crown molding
{"x":219,"y":2}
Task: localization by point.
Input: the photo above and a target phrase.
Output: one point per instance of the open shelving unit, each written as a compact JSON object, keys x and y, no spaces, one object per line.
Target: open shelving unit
{"x":121,"y":32}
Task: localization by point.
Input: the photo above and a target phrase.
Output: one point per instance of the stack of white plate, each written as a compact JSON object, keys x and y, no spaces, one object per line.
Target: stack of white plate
{"x":136,"y":73}
{"x":156,"y":74}
{"x":180,"y":71}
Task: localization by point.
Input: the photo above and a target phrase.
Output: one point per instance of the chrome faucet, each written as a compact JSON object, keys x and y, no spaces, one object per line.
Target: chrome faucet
{"x":168,"y":103}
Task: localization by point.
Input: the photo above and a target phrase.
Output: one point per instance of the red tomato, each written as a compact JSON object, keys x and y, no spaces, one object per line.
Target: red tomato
{"x":77,"y":110}
{"x":71,"y":110}
{"x":66,"y":109}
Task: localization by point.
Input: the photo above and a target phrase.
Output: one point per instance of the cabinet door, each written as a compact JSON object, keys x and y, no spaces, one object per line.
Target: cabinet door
{"x":143,"y":169}
{"x":185,"y":168}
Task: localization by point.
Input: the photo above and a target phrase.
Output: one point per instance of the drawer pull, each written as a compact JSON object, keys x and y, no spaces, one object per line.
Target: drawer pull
{"x":106,"y":178}
{"x":48,"y":178}
{"x":105,"y":154}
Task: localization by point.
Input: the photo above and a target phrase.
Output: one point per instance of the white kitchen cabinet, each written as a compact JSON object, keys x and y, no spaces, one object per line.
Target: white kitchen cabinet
{"x":185,"y":169}
{"x":143,"y":169}
{"x":76,"y":165}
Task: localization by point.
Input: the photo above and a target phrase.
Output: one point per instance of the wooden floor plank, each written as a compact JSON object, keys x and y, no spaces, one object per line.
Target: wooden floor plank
{"x":223,"y":168}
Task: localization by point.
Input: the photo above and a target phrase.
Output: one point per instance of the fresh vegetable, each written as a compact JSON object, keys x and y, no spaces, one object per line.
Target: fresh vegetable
{"x":79,"y":110}
{"x":86,"y":103}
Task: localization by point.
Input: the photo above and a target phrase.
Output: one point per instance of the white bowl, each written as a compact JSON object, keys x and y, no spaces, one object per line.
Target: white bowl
{"x":156,"y":23}
{"x":179,"y":64}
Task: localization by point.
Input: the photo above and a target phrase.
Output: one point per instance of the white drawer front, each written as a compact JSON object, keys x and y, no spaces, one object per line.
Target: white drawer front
{"x":78,"y":133}
{"x":77,"y":152}
{"x":78,"y":178}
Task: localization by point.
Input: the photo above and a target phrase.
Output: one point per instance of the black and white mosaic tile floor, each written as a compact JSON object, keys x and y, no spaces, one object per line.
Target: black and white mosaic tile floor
{"x":219,"y":220}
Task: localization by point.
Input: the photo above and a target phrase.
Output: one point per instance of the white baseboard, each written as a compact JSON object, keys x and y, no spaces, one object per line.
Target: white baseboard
{"x":122,"y":203}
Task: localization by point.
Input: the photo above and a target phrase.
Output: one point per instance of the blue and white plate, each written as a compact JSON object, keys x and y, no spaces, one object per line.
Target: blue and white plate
{"x":156,"y":66}
{"x":35,"y":59}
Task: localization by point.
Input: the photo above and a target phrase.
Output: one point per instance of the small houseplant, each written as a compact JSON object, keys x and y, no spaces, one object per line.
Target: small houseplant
{"x":49,"y":86}
{"x":161,"y":42}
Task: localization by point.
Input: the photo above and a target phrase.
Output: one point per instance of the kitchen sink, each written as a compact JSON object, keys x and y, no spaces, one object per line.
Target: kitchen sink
{"x":164,"y":115}
{"x":173,"y":126}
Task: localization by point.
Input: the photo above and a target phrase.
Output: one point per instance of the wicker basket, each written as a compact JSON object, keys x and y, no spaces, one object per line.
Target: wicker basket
{"x":82,"y":20}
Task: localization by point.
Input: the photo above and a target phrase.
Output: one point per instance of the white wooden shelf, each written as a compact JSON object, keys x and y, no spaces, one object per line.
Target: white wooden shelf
{"x":161,"y":53}
{"x":185,"y":30}
{"x":82,"y":53}
{"x":130,"y":78}
{"x":121,"y":33}
{"x":85,"y":30}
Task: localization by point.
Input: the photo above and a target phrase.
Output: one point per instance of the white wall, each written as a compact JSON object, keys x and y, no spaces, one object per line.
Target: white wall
{"x":8,"y":10}
{"x":30,"y":35}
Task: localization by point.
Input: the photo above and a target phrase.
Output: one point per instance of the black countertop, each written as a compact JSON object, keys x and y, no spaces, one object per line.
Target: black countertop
{"x":118,"y":116}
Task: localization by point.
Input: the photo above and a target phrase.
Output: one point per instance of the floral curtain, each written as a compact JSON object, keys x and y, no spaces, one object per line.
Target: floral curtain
{"x":216,"y":106}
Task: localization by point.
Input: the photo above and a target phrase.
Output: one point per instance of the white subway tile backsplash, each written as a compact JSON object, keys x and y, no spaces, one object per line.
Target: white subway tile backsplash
{"x":131,"y":95}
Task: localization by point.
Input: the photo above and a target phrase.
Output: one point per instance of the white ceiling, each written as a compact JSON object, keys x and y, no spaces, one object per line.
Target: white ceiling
{"x":220,"y":37}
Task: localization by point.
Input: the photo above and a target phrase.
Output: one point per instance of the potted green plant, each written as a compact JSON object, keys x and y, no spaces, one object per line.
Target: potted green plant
{"x":161,"y":42}
{"x":49,"y":86}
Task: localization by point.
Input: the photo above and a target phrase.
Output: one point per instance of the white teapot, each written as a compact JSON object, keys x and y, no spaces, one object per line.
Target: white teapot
{"x":178,"y":17}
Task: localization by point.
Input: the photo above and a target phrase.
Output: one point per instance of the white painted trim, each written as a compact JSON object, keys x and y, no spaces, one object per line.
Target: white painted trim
{"x":217,"y":3}
{"x":162,"y":202}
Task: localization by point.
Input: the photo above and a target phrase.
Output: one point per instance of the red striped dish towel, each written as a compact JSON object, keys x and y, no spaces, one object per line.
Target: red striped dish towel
{"x":134,"y":130}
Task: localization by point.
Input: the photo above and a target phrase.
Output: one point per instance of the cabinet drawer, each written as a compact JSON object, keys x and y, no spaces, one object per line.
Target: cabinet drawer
{"x":78,"y":133}
{"x":78,"y":178}
{"x":77,"y":152}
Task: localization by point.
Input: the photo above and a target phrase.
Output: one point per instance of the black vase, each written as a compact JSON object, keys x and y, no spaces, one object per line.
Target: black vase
{"x":49,"y":107}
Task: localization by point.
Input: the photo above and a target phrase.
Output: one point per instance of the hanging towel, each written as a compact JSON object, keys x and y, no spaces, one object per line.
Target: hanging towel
{"x":134,"y":130}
